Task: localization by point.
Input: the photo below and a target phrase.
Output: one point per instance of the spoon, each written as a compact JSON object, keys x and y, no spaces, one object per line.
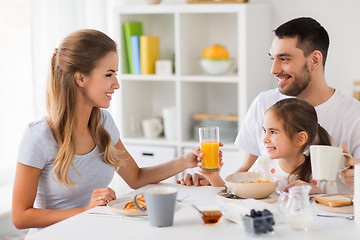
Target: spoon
{"x":227,"y":194}
{"x":348,"y":218}
{"x":198,"y":210}
{"x":182,"y":199}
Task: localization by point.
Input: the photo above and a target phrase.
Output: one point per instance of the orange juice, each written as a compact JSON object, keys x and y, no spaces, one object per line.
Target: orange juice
{"x":210,"y":159}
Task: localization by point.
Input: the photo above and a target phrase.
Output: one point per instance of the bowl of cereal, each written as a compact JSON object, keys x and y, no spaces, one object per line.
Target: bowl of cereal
{"x":251,"y":184}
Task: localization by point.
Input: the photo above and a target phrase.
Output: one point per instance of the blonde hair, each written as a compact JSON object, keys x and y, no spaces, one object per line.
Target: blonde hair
{"x":78,"y":52}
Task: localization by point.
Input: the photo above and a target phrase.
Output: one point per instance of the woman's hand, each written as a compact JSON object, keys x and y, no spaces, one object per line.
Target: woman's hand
{"x":314,"y":189}
{"x":208,"y":178}
{"x":101,"y":197}
{"x":192,"y":158}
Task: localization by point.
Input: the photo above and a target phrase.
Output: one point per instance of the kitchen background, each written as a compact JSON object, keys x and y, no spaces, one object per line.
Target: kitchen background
{"x":30,"y":30}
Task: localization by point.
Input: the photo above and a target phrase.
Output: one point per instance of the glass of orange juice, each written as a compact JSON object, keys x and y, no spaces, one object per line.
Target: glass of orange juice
{"x":209,"y":142}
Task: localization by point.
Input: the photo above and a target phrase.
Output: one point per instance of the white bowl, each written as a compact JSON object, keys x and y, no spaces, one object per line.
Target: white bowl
{"x":214,"y":66}
{"x":243,"y":185}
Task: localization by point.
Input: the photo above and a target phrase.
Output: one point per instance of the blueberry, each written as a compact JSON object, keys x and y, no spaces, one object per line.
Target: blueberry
{"x":271,"y":221}
{"x":253,"y":213}
{"x":266,"y":212}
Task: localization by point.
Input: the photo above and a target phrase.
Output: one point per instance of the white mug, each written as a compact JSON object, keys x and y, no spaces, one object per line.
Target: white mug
{"x":152,"y":127}
{"x":326,"y":162}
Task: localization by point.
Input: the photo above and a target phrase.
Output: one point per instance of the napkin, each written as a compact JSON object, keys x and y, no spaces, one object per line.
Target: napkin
{"x":234,"y":210}
{"x":357,"y":194}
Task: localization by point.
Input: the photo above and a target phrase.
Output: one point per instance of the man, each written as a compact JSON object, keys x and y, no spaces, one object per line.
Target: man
{"x":299,"y":52}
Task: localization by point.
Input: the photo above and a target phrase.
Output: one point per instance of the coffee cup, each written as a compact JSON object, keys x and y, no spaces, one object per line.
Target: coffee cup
{"x":326,"y":162}
{"x":160,"y":205}
{"x":152,"y":127}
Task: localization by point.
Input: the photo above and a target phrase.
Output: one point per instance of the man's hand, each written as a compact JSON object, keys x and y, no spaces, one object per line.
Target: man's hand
{"x":196,"y":180}
{"x":347,"y":176}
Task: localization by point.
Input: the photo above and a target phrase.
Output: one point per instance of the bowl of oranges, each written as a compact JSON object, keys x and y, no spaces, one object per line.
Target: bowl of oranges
{"x":215,"y":60}
{"x":251,"y":184}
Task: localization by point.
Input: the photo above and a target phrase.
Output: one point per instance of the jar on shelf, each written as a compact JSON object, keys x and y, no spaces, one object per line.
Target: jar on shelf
{"x":357,"y":90}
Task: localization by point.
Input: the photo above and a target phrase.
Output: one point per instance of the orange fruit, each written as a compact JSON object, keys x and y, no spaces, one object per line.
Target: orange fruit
{"x":216,"y":51}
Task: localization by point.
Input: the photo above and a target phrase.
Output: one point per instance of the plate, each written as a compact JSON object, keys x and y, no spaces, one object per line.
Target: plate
{"x":344,"y":209}
{"x":117,"y":206}
{"x":270,"y":199}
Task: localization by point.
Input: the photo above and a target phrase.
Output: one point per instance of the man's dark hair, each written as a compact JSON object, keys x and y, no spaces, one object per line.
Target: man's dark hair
{"x":310,"y":35}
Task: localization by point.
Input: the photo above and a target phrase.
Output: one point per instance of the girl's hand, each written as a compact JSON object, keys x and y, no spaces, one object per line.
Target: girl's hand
{"x":101,"y":197}
{"x":314,"y":189}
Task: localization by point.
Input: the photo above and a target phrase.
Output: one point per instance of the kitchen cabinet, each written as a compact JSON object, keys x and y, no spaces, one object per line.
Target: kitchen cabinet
{"x":184,"y":30}
{"x":145,"y":156}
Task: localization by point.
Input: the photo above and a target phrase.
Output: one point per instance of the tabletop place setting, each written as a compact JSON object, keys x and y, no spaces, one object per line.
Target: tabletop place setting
{"x":247,"y":194}
{"x":249,"y":205}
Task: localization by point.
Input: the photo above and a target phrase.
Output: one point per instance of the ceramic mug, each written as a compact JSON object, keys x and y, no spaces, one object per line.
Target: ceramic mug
{"x":326,"y":162}
{"x":152,"y":127}
{"x":160,"y":205}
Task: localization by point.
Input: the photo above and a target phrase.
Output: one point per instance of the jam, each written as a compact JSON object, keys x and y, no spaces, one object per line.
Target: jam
{"x":211,"y":217}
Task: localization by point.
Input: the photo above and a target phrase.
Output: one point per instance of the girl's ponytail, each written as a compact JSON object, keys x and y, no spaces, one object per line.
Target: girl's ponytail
{"x":322,"y":137}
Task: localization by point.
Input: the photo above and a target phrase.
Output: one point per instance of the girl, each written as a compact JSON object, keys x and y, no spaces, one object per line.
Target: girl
{"x":67,"y":159}
{"x":290,"y":126}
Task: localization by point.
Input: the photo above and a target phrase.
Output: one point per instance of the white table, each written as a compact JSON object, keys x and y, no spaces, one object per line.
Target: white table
{"x":187,"y":224}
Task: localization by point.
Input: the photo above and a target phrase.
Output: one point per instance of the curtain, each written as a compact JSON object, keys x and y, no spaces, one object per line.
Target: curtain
{"x":52,"y":20}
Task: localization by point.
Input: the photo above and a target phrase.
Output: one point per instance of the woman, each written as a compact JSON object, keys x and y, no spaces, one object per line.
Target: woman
{"x":67,"y":159}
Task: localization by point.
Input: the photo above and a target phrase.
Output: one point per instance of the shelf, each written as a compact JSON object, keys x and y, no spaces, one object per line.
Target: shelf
{"x":149,"y":77}
{"x":184,"y":30}
{"x":233,"y":78}
{"x":150,"y":142}
{"x":208,"y":78}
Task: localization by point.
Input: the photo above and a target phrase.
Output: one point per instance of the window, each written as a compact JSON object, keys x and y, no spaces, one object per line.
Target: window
{"x":15,"y":80}
{"x":30,"y":30}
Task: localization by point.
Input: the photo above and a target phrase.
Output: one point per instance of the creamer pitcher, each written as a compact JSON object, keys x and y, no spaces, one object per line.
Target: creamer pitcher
{"x":296,"y":207}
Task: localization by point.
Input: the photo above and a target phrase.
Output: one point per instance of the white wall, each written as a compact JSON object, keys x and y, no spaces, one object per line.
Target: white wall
{"x":340,"y":18}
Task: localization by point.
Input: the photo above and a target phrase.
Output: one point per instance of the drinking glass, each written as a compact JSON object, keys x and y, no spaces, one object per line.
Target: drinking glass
{"x":209,"y":142}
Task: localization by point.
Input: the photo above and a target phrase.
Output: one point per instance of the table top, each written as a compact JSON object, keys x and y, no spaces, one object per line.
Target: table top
{"x":102,"y":223}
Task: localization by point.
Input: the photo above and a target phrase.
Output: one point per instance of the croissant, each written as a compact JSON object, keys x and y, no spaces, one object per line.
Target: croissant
{"x":140,"y":201}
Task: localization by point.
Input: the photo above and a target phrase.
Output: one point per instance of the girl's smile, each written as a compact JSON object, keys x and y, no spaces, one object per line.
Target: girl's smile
{"x":276,"y":141}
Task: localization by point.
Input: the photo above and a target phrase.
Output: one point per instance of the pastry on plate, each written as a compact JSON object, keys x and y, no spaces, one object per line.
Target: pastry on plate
{"x":140,"y":201}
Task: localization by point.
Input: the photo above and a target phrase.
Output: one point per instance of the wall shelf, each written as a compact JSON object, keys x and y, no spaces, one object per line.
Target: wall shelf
{"x":184,"y":30}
